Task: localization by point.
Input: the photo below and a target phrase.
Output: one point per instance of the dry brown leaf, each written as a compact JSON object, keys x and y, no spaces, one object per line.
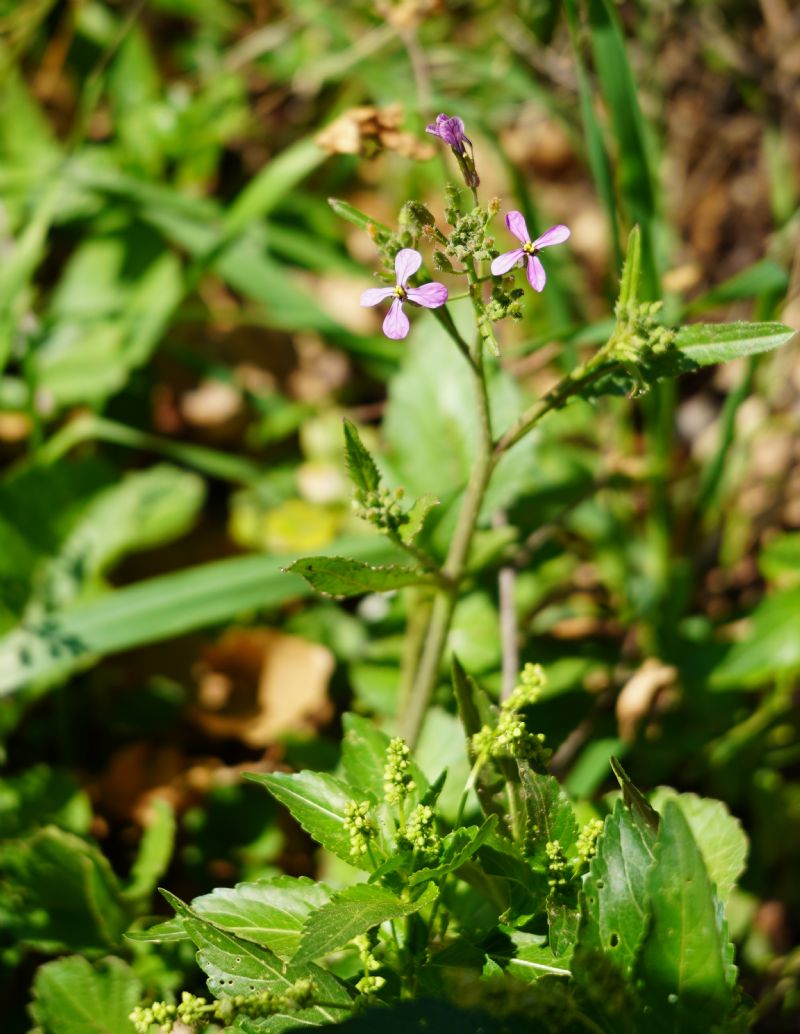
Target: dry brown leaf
{"x":255,"y":684}
{"x":639,"y":694}
{"x":367,"y":130}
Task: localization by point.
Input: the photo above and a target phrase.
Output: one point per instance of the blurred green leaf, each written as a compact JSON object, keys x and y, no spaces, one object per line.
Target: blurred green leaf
{"x":154,"y":854}
{"x":771,"y":648}
{"x":72,"y":996}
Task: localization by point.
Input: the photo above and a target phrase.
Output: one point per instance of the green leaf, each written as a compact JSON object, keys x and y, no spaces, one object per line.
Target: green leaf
{"x":41,"y":795}
{"x":720,"y":837}
{"x":356,"y":217}
{"x":151,"y":611}
{"x":779,"y":560}
{"x":352,"y":913}
{"x":615,"y":893}
{"x":703,"y":344}
{"x":71,"y":996}
{"x":771,"y":648}
{"x":62,"y":893}
{"x":340,"y":577}
{"x":548,"y":813}
{"x":457,"y":848}
{"x":361,"y":466}
{"x":683,"y":959}
{"x":631,"y":270}
{"x":145,"y":509}
{"x":155,"y":852}
{"x":270,"y":912}
{"x":416,"y":517}
{"x":364,"y":759}
{"x":642,"y":810}
{"x":238,"y":967}
{"x":318,"y":802}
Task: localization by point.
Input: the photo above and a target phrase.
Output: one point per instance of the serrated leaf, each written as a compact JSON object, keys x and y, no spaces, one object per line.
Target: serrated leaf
{"x":361,"y":466}
{"x":71,"y":996}
{"x":703,"y":344}
{"x":269,"y":912}
{"x":238,"y":967}
{"x":641,"y":809}
{"x":352,"y":913}
{"x":548,"y":813}
{"x":457,"y":847}
{"x":615,"y":892}
{"x":416,"y":517}
{"x":340,"y":577}
{"x":682,"y":963}
{"x":318,"y":802}
{"x":720,"y":837}
{"x":364,"y":759}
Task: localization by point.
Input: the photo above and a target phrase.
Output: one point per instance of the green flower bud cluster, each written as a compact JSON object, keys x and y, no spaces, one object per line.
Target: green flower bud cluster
{"x":365,"y":943}
{"x":641,"y":344}
{"x":420,"y":832}
{"x":468,"y":239}
{"x":511,"y":739}
{"x":556,"y":864}
{"x":359,"y":827}
{"x":194,"y":1010}
{"x":532,"y":681}
{"x":370,"y":984}
{"x":587,"y":839}
{"x":397,"y":781}
{"x":504,"y":303}
{"x":415,"y":218}
{"x":381,"y":508}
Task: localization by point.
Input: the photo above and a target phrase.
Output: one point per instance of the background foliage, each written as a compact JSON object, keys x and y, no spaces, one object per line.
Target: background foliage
{"x":179,"y":340}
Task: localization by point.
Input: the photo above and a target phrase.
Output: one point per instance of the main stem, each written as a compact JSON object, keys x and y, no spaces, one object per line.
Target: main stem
{"x":428,"y":672}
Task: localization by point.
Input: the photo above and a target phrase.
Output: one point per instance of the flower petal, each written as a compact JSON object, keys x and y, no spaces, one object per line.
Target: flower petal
{"x":375,"y":295}
{"x":406,"y":263}
{"x":515,"y":221}
{"x":430,"y":295}
{"x":396,"y":324}
{"x":536,"y":274}
{"x":506,"y":261}
{"x":555,"y":235}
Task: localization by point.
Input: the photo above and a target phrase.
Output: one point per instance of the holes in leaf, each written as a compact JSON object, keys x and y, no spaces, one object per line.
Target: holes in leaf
{"x":600,"y":884}
{"x":613,"y":940}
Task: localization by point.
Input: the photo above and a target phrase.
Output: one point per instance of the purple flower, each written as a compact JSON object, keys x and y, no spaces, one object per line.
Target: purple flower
{"x":529,"y":250}
{"x":451,"y":130}
{"x":406,"y":263}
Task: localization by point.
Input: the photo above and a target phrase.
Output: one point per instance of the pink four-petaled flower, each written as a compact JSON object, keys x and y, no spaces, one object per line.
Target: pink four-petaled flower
{"x":537,"y":277}
{"x":432,"y":295}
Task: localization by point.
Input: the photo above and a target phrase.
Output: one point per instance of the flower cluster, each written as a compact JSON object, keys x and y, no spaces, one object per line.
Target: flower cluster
{"x":397,"y":781}
{"x":381,"y":508}
{"x":532,"y":681}
{"x":587,"y":839}
{"x":641,"y":344}
{"x":193,"y":1010}
{"x":556,"y":864}
{"x":510,"y":738}
{"x":468,"y":243}
{"x":359,"y":827}
{"x":420,"y":832}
